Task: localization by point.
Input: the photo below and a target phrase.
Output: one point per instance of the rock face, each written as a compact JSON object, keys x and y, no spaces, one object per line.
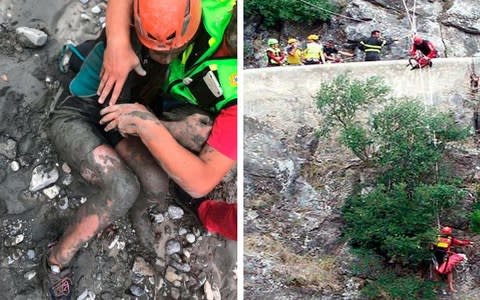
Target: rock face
{"x":453,"y":27}
{"x":268,"y":160}
{"x":291,"y":215}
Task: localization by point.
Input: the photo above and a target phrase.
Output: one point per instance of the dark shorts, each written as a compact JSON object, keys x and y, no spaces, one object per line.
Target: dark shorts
{"x":372,"y":56}
{"x":74,"y":129}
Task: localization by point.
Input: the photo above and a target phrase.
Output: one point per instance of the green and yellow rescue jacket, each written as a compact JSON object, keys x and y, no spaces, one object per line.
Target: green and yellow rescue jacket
{"x":198,"y":78}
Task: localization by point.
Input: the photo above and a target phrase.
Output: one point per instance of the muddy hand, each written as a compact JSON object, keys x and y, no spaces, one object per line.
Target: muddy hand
{"x":124,"y":117}
{"x":117,"y":63}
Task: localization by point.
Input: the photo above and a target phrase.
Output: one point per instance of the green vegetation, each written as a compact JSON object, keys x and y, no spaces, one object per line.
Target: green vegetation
{"x":276,"y":11}
{"x":403,"y":144}
{"x":397,"y":223}
{"x":475,"y":218}
{"x":341,"y":99}
{"x":392,"y":286}
{"x":384,"y":283}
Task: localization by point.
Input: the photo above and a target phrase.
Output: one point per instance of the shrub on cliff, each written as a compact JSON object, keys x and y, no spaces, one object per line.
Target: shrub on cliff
{"x":274,"y":12}
{"x":397,"y":223}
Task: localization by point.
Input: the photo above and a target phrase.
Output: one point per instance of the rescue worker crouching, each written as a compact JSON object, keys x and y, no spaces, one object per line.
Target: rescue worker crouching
{"x":275,"y":55}
{"x":427,"y":50}
{"x":332,"y":54}
{"x":313,"y":54}
{"x":125,"y":170}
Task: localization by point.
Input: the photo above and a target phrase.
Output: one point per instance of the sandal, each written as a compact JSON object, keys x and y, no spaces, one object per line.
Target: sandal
{"x":57,"y":283}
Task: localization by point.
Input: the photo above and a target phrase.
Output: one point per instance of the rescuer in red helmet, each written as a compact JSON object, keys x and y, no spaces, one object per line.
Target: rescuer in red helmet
{"x":427,"y":50}
{"x":446,"y":259}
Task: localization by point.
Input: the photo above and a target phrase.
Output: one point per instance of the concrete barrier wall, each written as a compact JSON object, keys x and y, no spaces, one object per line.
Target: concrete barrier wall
{"x":284,"y":96}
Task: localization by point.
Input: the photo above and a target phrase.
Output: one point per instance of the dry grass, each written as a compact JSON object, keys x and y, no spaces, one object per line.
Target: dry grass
{"x":293,"y":269}
{"x":261,"y":201}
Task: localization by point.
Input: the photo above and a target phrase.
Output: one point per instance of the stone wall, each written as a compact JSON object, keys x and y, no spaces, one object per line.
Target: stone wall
{"x":284,"y":96}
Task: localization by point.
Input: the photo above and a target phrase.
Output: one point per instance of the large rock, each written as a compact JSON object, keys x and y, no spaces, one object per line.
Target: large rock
{"x":464,"y":15}
{"x":31,"y":37}
{"x":268,"y":165}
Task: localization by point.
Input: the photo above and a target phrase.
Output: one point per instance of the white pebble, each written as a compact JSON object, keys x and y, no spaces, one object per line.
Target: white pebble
{"x":175,"y":212}
{"x":15,"y":166}
{"x":96,"y":9}
{"x":30,"y":275}
{"x":190,"y":238}
{"x":52,"y":191}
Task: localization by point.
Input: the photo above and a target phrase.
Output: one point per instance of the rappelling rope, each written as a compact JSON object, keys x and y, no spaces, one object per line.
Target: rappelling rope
{"x":430,"y":94}
{"x":412,"y":19}
{"x":329,"y":11}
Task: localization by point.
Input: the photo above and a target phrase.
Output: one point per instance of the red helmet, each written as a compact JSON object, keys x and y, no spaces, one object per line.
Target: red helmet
{"x":166,"y":25}
{"x":446,"y":230}
{"x":417,"y":40}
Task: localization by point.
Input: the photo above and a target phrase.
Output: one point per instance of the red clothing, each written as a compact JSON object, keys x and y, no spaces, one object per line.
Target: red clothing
{"x":457,"y":242}
{"x":448,"y":265}
{"x":447,"y":259}
{"x":223,"y":137}
{"x":219,"y":217}
{"x":275,"y":56}
{"x":426,"y":47}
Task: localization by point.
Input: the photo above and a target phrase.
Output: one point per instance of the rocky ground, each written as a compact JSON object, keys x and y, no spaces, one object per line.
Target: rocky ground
{"x":453,"y":26}
{"x":295,"y":186}
{"x":39,"y":193}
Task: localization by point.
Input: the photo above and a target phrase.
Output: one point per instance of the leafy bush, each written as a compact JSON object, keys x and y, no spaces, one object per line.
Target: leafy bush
{"x":397,"y":224}
{"x":475,"y":221}
{"x":276,"y":11}
{"x":391,"y":286}
{"x":340,"y":100}
{"x":405,"y":142}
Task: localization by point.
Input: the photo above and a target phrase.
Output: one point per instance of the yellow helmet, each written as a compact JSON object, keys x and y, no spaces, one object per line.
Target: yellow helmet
{"x":313,"y":37}
{"x":292,"y":40}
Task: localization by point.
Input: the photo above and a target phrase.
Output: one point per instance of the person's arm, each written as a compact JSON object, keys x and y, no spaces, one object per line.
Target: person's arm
{"x":413,"y":51}
{"x":322,"y":56}
{"x":291,"y":50}
{"x":432,"y":53}
{"x":119,"y":58}
{"x":273,"y":57}
{"x":282,"y":56}
{"x":197,"y":175}
{"x":346,"y":53}
{"x":458,"y":242}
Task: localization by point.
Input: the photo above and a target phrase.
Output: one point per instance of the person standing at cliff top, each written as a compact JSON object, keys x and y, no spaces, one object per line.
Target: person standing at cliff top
{"x":373,"y":46}
{"x":314,"y":51}
{"x":294,"y":54}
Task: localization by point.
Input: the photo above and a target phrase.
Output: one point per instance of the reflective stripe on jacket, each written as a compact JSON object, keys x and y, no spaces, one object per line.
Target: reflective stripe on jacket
{"x":373,"y":45}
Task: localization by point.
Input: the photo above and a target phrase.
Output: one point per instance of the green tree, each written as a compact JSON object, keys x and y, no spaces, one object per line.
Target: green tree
{"x":475,"y":219}
{"x":405,"y":142}
{"x":340,"y":99}
{"x":410,"y":141}
{"x":395,"y":223}
{"x":275,"y":12}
